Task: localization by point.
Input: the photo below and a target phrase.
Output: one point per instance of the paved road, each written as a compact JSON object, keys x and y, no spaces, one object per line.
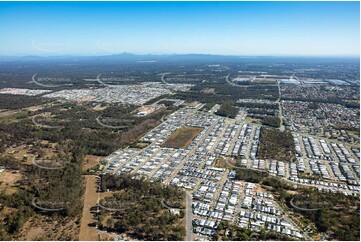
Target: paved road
{"x":190,"y":153}
{"x":189,"y":228}
{"x":164,"y":160}
{"x":326,"y":139}
{"x":162,"y":77}
{"x":231,"y":83}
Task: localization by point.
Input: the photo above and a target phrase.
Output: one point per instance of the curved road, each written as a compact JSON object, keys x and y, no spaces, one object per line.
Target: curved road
{"x":41,"y":84}
{"x":162,"y":78}
{"x":229,"y":82}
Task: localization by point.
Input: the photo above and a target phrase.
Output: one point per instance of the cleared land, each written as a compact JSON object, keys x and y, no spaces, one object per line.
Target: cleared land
{"x":225,"y":162}
{"x":90,"y":200}
{"x":8,"y":181}
{"x":41,"y":228}
{"x":209,"y":90}
{"x":90,"y":161}
{"x":182,"y":137}
{"x":7,"y":113}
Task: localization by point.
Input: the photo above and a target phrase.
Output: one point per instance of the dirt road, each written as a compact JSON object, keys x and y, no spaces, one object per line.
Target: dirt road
{"x":90,"y":200}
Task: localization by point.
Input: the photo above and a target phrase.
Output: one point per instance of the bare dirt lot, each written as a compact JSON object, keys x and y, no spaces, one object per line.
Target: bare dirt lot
{"x":182,"y":137}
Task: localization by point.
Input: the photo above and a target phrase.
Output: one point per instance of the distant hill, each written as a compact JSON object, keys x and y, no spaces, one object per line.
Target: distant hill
{"x":207,"y":58}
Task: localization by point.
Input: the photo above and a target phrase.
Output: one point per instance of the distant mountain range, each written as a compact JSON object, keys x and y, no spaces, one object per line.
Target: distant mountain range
{"x":175,"y":57}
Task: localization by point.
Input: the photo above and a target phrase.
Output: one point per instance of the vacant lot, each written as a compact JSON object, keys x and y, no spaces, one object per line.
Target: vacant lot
{"x":275,"y":144}
{"x":182,"y":137}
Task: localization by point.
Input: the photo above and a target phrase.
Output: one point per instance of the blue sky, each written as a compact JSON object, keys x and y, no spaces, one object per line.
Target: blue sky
{"x":231,"y":28}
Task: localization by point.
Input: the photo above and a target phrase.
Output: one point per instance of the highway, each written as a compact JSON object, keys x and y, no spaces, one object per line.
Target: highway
{"x":162,"y":77}
{"x":231,"y":83}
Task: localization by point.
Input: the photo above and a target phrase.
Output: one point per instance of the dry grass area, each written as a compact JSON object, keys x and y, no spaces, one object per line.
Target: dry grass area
{"x":24,"y":152}
{"x":252,"y":120}
{"x":106,"y":236}
{"x":259,"y":188}
{"x":20,"y":152}
{"x":264,"y":81}
{"x":209,"y":90}
{"x":6,"y":113}
{"x":8,"y":181}
{"x":42,"y":227}
{"x":35,"y":108}
{"x":91,"y":161}
{"x":99,"y":108}
{"x":182,"y":137}
{"x":276,"y":144}
{"x":225,"y":162}
{"x":5,"y":211}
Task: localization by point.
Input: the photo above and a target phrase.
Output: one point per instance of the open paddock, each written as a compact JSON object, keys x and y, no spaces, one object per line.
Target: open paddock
{"x":182,"y":137}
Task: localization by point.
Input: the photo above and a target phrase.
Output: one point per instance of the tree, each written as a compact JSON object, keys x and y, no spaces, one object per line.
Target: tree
{"x":227,"y":109}
{"x":110,"y":222}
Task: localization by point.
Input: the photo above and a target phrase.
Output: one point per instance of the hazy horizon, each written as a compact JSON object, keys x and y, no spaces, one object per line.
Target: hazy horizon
{"x":179,"y":54}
